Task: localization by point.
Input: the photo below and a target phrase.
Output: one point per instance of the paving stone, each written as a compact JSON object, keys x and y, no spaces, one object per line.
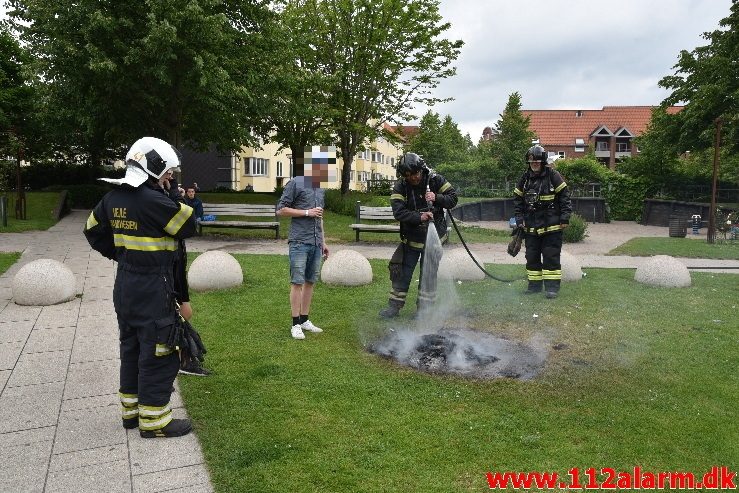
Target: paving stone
{"x":171,"y":479}
{"x":95,"y":309}
{"x":25,"y":437}
{"x":17,"y":313}
{"x":115,"y":477}
{"x":6,"y":293}
{"x":63,"y":315}
{"x":105,"y":324}
{"x":24,"y":467}
{"x":92,"y":379}
{"x":199,"y":488}
{"x":90,"y":402}
{"x":15,"y":331}
{"x":88,"y":457}
{"x":4,"y":376}
{"x":9,"y":353}
{"x":31,"y":406}
{"x":88,"y":428}
{"x":170,"y":454}
{"x":39,"y":368}
{"x":95,"y":349}
{"x":44,"y":340}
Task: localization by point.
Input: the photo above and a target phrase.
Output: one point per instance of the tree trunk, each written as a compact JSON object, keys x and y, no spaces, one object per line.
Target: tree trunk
{"x":347,"y":157}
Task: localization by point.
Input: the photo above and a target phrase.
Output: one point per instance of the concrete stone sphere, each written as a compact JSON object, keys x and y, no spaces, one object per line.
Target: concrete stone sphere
{"x":457,"y":265}
{"x":214,"y":270}
{"x":571,"y":268}
{"x":44,"y":282}
{"x":663,"y":270}
{"x":346,"y":268}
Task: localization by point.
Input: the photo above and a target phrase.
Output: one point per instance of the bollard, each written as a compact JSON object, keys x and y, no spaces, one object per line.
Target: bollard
{"x":696,"y":223}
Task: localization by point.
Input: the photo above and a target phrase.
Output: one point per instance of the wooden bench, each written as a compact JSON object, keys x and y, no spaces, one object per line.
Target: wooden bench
{"x":376,"y":214}
{"x":241,"y":210}
{"x":382,"y":219}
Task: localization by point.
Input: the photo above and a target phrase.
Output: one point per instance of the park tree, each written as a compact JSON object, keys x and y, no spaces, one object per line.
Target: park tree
{"x":115,"y":71}
{"x":707,"y":81}
{"x":440,"y":141}
{"x":512,"y":141}
{"x":297,"y":116}
{"x":382,"y":57}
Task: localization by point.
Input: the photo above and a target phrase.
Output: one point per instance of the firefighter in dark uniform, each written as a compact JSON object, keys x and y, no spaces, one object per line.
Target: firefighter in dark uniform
{"x":542,"y":207}
{"x":139,"y":227}
{"x":418,"y":199}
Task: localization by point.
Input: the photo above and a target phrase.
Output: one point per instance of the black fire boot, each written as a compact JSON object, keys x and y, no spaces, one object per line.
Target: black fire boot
{"x":391,"y":310}
{"x":131,"y":423}
{"x":175,"y":428}
{"x":551,"y":289}
{"x":535,"y":287}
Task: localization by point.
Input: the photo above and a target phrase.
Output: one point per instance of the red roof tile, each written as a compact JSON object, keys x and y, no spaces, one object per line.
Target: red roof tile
{"x":562,"y":127}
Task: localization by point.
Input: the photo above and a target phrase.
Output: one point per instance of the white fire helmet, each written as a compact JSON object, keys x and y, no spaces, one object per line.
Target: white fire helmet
{"x":148,"y":156}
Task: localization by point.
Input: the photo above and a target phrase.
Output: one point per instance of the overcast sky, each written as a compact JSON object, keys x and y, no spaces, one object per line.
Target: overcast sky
{"x":567,"y":54}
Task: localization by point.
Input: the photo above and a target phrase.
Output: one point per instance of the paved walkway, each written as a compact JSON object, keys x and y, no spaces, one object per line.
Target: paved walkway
{"x":59,"y":367}
{"x":60,"y":427}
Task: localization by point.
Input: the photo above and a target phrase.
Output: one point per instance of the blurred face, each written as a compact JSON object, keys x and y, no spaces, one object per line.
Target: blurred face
{"x":166,"y":177}
{"x":413,"y":178}
{"x":190,"y":193}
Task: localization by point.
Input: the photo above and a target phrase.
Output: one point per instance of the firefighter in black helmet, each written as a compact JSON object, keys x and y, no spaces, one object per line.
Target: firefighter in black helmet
{"x":417,"y":188}
{"x":138,"y":226}
{"x":542,"y":207}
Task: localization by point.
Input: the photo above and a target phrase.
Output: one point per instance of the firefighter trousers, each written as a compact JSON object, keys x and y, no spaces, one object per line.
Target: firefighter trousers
{"x":406,"y":259}
{"x":146,"y":315}
{"x":543,"y":259}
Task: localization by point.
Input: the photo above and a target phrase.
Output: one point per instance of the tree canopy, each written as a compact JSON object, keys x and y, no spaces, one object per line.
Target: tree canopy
{"x":381,"y":58}
{"x":707,"y":81}
{"x":114,"y":71}
{"x":513,"y":140}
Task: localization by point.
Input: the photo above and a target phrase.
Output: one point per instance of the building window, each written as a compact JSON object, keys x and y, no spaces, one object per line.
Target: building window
{"x":601,"y":146}
{"x":578,"y":113}
{"x":579,"y":149}
{"x":255,"y":166}
{"x":622,"y":147}
{"x":561,"y":154}
{"x":279,"y":169}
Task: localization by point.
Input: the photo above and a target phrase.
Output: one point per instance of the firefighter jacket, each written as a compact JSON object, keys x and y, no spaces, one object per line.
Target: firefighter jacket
{"x":408,"y":202}
{"x":542,"y":202}
{"x":140,"y":228}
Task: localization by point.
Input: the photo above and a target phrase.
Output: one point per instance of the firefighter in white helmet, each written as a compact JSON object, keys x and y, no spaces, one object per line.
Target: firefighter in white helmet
{"x":138,"y":227}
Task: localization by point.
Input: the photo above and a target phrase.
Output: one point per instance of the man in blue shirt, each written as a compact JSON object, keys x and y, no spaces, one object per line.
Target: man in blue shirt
{"x":303,"y":201}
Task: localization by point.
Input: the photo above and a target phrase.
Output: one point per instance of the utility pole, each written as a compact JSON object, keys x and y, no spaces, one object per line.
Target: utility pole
{"x":712,"y":213}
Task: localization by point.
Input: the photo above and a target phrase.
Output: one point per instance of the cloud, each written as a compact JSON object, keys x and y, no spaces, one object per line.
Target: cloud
{"x":566,"y":53}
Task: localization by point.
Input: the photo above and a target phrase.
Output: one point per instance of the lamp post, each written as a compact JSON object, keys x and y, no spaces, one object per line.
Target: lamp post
{"x":711,"y":236}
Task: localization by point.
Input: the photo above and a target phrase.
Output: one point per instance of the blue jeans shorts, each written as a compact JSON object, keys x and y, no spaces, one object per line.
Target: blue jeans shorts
{"x":305,"y":262}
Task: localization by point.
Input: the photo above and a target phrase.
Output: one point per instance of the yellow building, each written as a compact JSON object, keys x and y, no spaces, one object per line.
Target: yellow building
{"x":262,"y":170}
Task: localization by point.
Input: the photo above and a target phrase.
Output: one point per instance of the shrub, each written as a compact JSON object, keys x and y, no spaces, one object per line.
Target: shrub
{"x":346,"y":204}
{"x":577,"y":230}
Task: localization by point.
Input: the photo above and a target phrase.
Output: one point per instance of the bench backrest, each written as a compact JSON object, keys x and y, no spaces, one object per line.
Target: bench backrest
{"x":245,"y":210}
{"x":366,"y":213}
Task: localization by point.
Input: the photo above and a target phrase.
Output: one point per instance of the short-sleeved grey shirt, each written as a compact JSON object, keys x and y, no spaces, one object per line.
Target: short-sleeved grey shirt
{"x":297,"y":196}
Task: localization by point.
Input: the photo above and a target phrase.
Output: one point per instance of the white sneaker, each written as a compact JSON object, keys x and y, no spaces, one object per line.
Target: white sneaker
{"x":308,"y":325}
{"x":297,"y":332}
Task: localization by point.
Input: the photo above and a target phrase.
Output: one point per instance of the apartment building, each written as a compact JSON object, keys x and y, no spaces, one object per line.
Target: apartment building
{"x":610,"y":131}
{"x":268,"y":167}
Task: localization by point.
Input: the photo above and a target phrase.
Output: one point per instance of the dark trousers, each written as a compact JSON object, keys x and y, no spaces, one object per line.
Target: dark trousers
{"x":543,"y":258}
{"x":142,"y":372}
{"x":144,"y":303}
{"x":402,"y":282}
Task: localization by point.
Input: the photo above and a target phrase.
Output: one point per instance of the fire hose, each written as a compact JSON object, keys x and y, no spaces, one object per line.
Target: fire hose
{"x":461,"y":238}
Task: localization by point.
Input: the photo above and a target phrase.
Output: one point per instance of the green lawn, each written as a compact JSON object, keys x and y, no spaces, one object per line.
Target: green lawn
{"x":8,"y":259}
{"x":679,"y":247}
{"x":647,"y":376}
{"x":39,"y":212}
